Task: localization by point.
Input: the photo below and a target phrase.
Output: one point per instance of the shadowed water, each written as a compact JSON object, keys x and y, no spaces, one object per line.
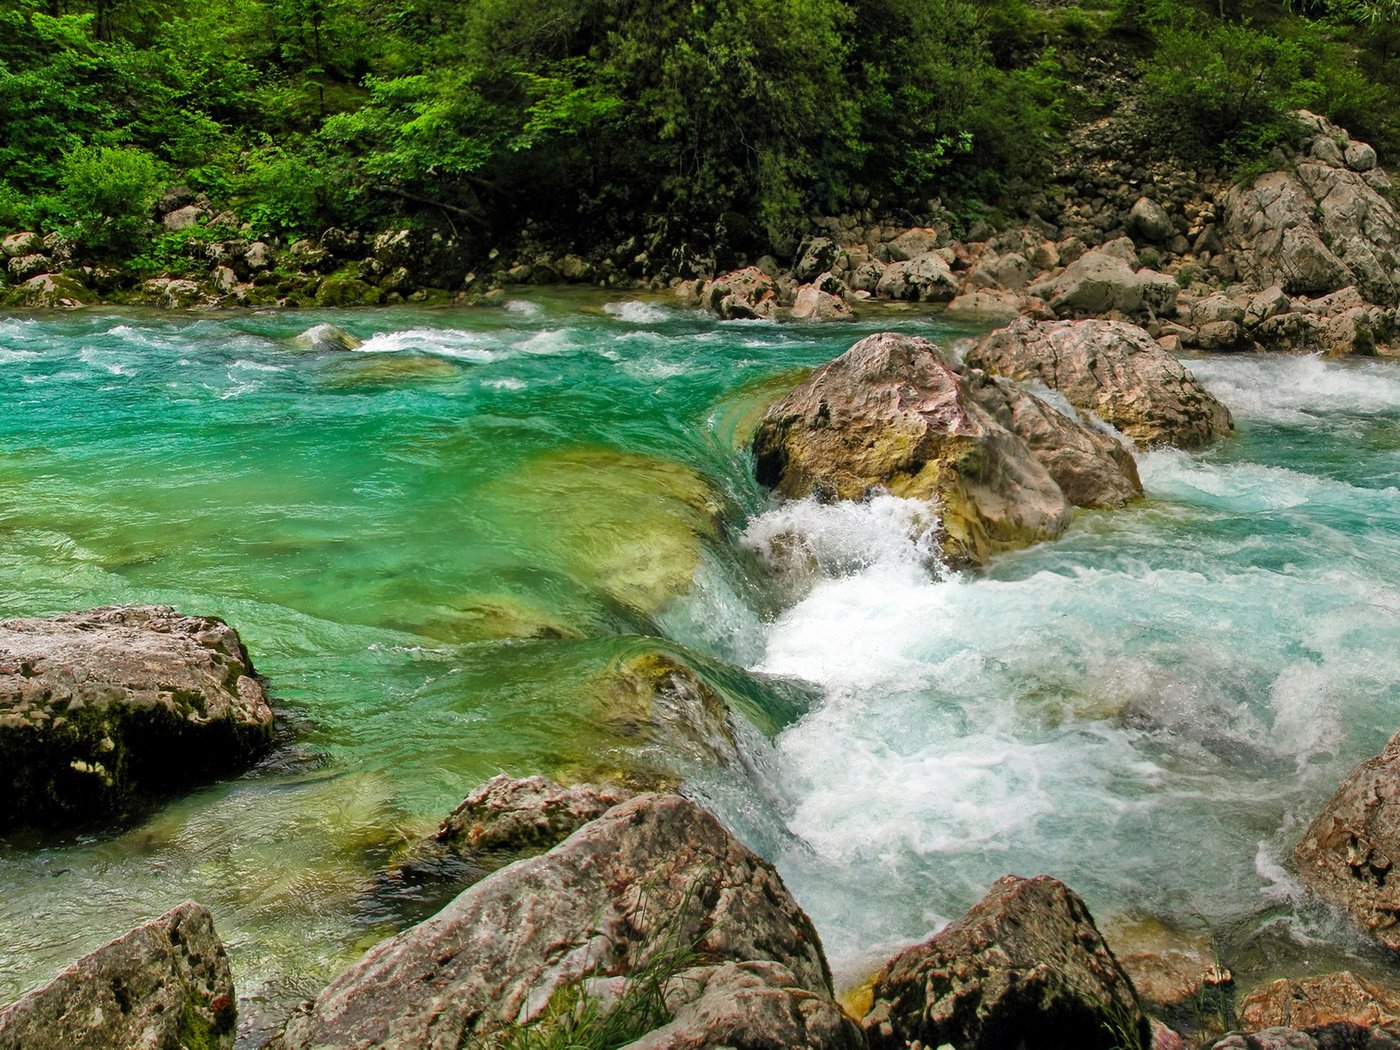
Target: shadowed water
{"x":436,"y":548}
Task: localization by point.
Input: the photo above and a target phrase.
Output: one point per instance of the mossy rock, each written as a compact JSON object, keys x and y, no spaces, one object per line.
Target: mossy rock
{"x":336,"y":292}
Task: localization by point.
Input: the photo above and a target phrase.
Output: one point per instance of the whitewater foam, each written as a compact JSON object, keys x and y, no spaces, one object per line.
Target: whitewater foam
{"x":634,"y":311}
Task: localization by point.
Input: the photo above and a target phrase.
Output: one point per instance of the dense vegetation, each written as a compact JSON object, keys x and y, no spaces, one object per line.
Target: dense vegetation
{"x":720,"y":124}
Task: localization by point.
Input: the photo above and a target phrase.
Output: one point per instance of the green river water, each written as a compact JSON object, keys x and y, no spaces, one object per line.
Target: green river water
{"x":437,"y":547}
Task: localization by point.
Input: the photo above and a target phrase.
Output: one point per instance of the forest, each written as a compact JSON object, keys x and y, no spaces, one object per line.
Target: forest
{"x":724,"y":123}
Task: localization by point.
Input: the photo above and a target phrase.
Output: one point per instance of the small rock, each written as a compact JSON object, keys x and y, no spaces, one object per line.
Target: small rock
{"x":258,"y":256}
{"x":814,"y":304}
{"x":326,"y":338}
{"x":1360,"y":156}
{"x":1320,"y":999}
{"x":184,"y":218}
{"x":925,"y":278}
{"x":1150,"y":221}
{"x":23,"y":267}
{"x":814,"y":256}
{"x":25,"y":243}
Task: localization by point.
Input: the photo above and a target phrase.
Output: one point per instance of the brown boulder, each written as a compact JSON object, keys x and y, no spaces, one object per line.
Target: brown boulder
{"x":166,"y":985}
{"x":1349,"y":851}
{"x":1321,"y":999}
{"x":1113,"y":369}
{"x":1026,"y":967}
{"x":100,"y":710}
{"x":892,"y":413}
{"x":742,"y":295}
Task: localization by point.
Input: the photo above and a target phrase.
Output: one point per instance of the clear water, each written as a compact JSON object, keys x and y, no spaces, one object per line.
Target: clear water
{"x":437,"y":546}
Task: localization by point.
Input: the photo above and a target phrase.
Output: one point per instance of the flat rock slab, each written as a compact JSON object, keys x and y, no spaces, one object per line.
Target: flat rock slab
{"x":653,"y":871}
{"x":166,"y":985}
{"x":103,"y":710}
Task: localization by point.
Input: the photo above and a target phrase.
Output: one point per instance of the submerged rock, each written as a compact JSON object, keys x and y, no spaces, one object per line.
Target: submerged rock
{"x":164,"y":985}
{"x":892,"y":413}
{"x":1114,"y":370}
{"x":1026,"y":967}
{"x":651,"y":873}
{"x":1348,"y":853}
{"x":326,"y":338}
{"x":100,"y":710}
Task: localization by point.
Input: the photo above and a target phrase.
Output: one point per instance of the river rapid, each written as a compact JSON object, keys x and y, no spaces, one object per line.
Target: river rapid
{"x":435,"y":546}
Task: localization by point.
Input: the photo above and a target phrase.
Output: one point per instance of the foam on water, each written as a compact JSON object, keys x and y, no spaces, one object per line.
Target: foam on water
{"x":635,"y":311}
{"x":461,"y":345}
{"x":1298,"y":390}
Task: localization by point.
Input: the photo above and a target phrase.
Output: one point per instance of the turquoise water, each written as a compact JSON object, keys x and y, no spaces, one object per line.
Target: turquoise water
{"x":438,"y":548}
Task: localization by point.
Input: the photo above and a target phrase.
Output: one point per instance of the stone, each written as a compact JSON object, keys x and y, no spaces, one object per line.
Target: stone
{"x":1150,"y":221}
{"x":1222,"y":337}
{"x":164,"y":985}
{"x":1320,"y":999}
{"x":745,"y":294}
{"x":1328,"y":1037}
{"x":891,"y":413}
{"x":258,"y":256}
{"x":866,"y":276}
{"x":102,"y":710}
{"x":749,"y":1004}
{"x":23,"y":267}
{"x":1176,"y":974}
{"x":325,"y":339}
{"x":1026,"y":967}
{"x":223,"y":279}
{"x":1101,"y":281}
{"x":49,"y":290}
{"x":814,"y":304}
{"x":1360,"y":156}
{"x":912,"y":243}
{"x":25,"y":243}
{"x":1315,"y":227}
{"x":985,"y":302}
{"x":1347,"y":854}
{"x":815,"y":255}
{"x":533,"y":813}
{"x":1266,"y":304}
{"x":173,"y":293}
{"x":1113,"y":369}
{"x":653,"y":870}
{"x":184,"y":218}
{"x":1011,"y":271}
{"x":575,"y":269}
{"x":1217,"y":307}
{"x":925,"y":278}
{"x":340,"y":292}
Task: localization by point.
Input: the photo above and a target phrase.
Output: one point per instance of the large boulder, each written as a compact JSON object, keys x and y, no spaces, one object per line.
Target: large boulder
{"x":1112,"y":369}
{"x":1349,"y":852}
{"x":1106,"y":280}
{"x":104,"y":709}
{"x":1317,"y":226}
{"x":166,"y":985}
{"x":49,"y":290}
{"x":892,"y":413}
{"x":1026,"y":967}
{"x":649,"y":875}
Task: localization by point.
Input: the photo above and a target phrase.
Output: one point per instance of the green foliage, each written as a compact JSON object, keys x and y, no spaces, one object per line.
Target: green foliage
{"x":107,"y":194}
{"x":280,"y":190}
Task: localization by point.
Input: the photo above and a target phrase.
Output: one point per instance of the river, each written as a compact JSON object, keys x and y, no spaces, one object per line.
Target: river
{"x":436,"y":547}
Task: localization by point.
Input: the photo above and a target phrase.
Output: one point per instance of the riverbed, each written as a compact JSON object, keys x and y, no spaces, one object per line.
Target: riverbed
{"x":435,"y":547}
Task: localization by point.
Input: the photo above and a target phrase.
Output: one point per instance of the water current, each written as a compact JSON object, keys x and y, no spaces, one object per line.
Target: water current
{"x":436,"y":547}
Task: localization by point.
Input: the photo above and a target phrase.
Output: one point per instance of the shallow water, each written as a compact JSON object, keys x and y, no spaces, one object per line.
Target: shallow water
{"x":437,"y":546}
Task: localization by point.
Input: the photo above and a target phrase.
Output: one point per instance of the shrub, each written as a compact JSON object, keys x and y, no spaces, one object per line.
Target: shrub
{"x":105,"y":195}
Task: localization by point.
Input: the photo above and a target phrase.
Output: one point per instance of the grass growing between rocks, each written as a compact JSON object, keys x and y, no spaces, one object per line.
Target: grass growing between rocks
{"x":590,"y":1014}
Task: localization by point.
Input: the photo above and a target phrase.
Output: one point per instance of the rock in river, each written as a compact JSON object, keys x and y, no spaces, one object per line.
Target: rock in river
{"x":165,"y":985}
{"x":654,"y":871}
{"x":891,"y":412}
{"x":1026,"y":967}
{"x":101,"y":710}
{"x":1112,"y":369}
{"x":1349,"y":851}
